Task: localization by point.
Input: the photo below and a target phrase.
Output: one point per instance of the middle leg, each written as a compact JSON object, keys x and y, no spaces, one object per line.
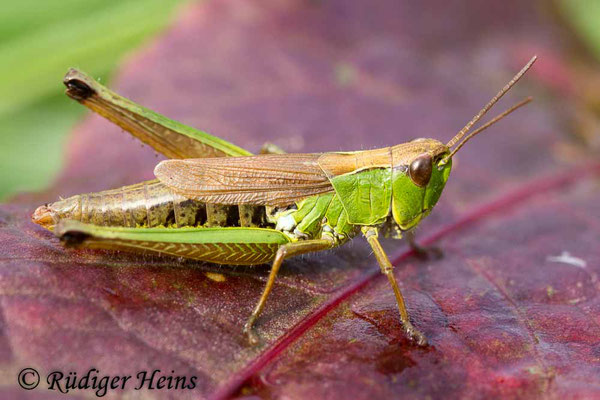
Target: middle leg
{"x":285,"y":251}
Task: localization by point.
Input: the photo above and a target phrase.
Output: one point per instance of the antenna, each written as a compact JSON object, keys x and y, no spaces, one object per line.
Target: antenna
{"x":489,"y":105}
{"x":485,"y":126}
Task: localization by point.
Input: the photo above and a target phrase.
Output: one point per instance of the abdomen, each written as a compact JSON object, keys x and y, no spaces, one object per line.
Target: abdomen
{"x":148,"y":204}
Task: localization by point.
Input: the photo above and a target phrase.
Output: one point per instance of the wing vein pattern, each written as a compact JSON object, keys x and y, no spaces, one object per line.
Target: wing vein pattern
{"x":272,"y":179}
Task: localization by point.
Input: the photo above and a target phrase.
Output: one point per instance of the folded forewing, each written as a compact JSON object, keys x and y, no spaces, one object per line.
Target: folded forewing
{"x":273,"y":179}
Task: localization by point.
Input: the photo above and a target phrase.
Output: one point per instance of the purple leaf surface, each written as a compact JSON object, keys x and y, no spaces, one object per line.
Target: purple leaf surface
{"x":511,"y":310}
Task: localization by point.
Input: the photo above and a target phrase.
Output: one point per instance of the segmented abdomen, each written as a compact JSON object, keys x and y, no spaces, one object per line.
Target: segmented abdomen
{"x":152,"y":204}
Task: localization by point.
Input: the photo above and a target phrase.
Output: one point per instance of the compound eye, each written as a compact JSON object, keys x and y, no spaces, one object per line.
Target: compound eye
{"x":420,"y":170}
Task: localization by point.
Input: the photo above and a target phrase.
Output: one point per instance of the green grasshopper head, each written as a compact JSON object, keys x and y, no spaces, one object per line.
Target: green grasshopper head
{"x":418,"y":179}
{"x":421,"y":168}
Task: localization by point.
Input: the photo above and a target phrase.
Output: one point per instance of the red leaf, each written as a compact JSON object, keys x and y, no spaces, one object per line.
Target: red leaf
{"x":512,"y":308}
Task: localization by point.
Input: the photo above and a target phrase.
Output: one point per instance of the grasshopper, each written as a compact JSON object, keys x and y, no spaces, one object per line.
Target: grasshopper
{"x":216,"y":202}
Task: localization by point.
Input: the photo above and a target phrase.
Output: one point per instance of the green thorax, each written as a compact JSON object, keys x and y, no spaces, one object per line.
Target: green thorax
{"x":368,"y":196}
{"x":315,"y":217}
{"x":365,"y":195}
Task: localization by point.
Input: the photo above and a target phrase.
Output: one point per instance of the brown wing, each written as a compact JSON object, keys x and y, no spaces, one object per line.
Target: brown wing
{"x":271,"y":179}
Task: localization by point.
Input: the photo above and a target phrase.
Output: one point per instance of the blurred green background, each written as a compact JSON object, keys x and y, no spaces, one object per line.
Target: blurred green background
{"x":40,"y":40}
